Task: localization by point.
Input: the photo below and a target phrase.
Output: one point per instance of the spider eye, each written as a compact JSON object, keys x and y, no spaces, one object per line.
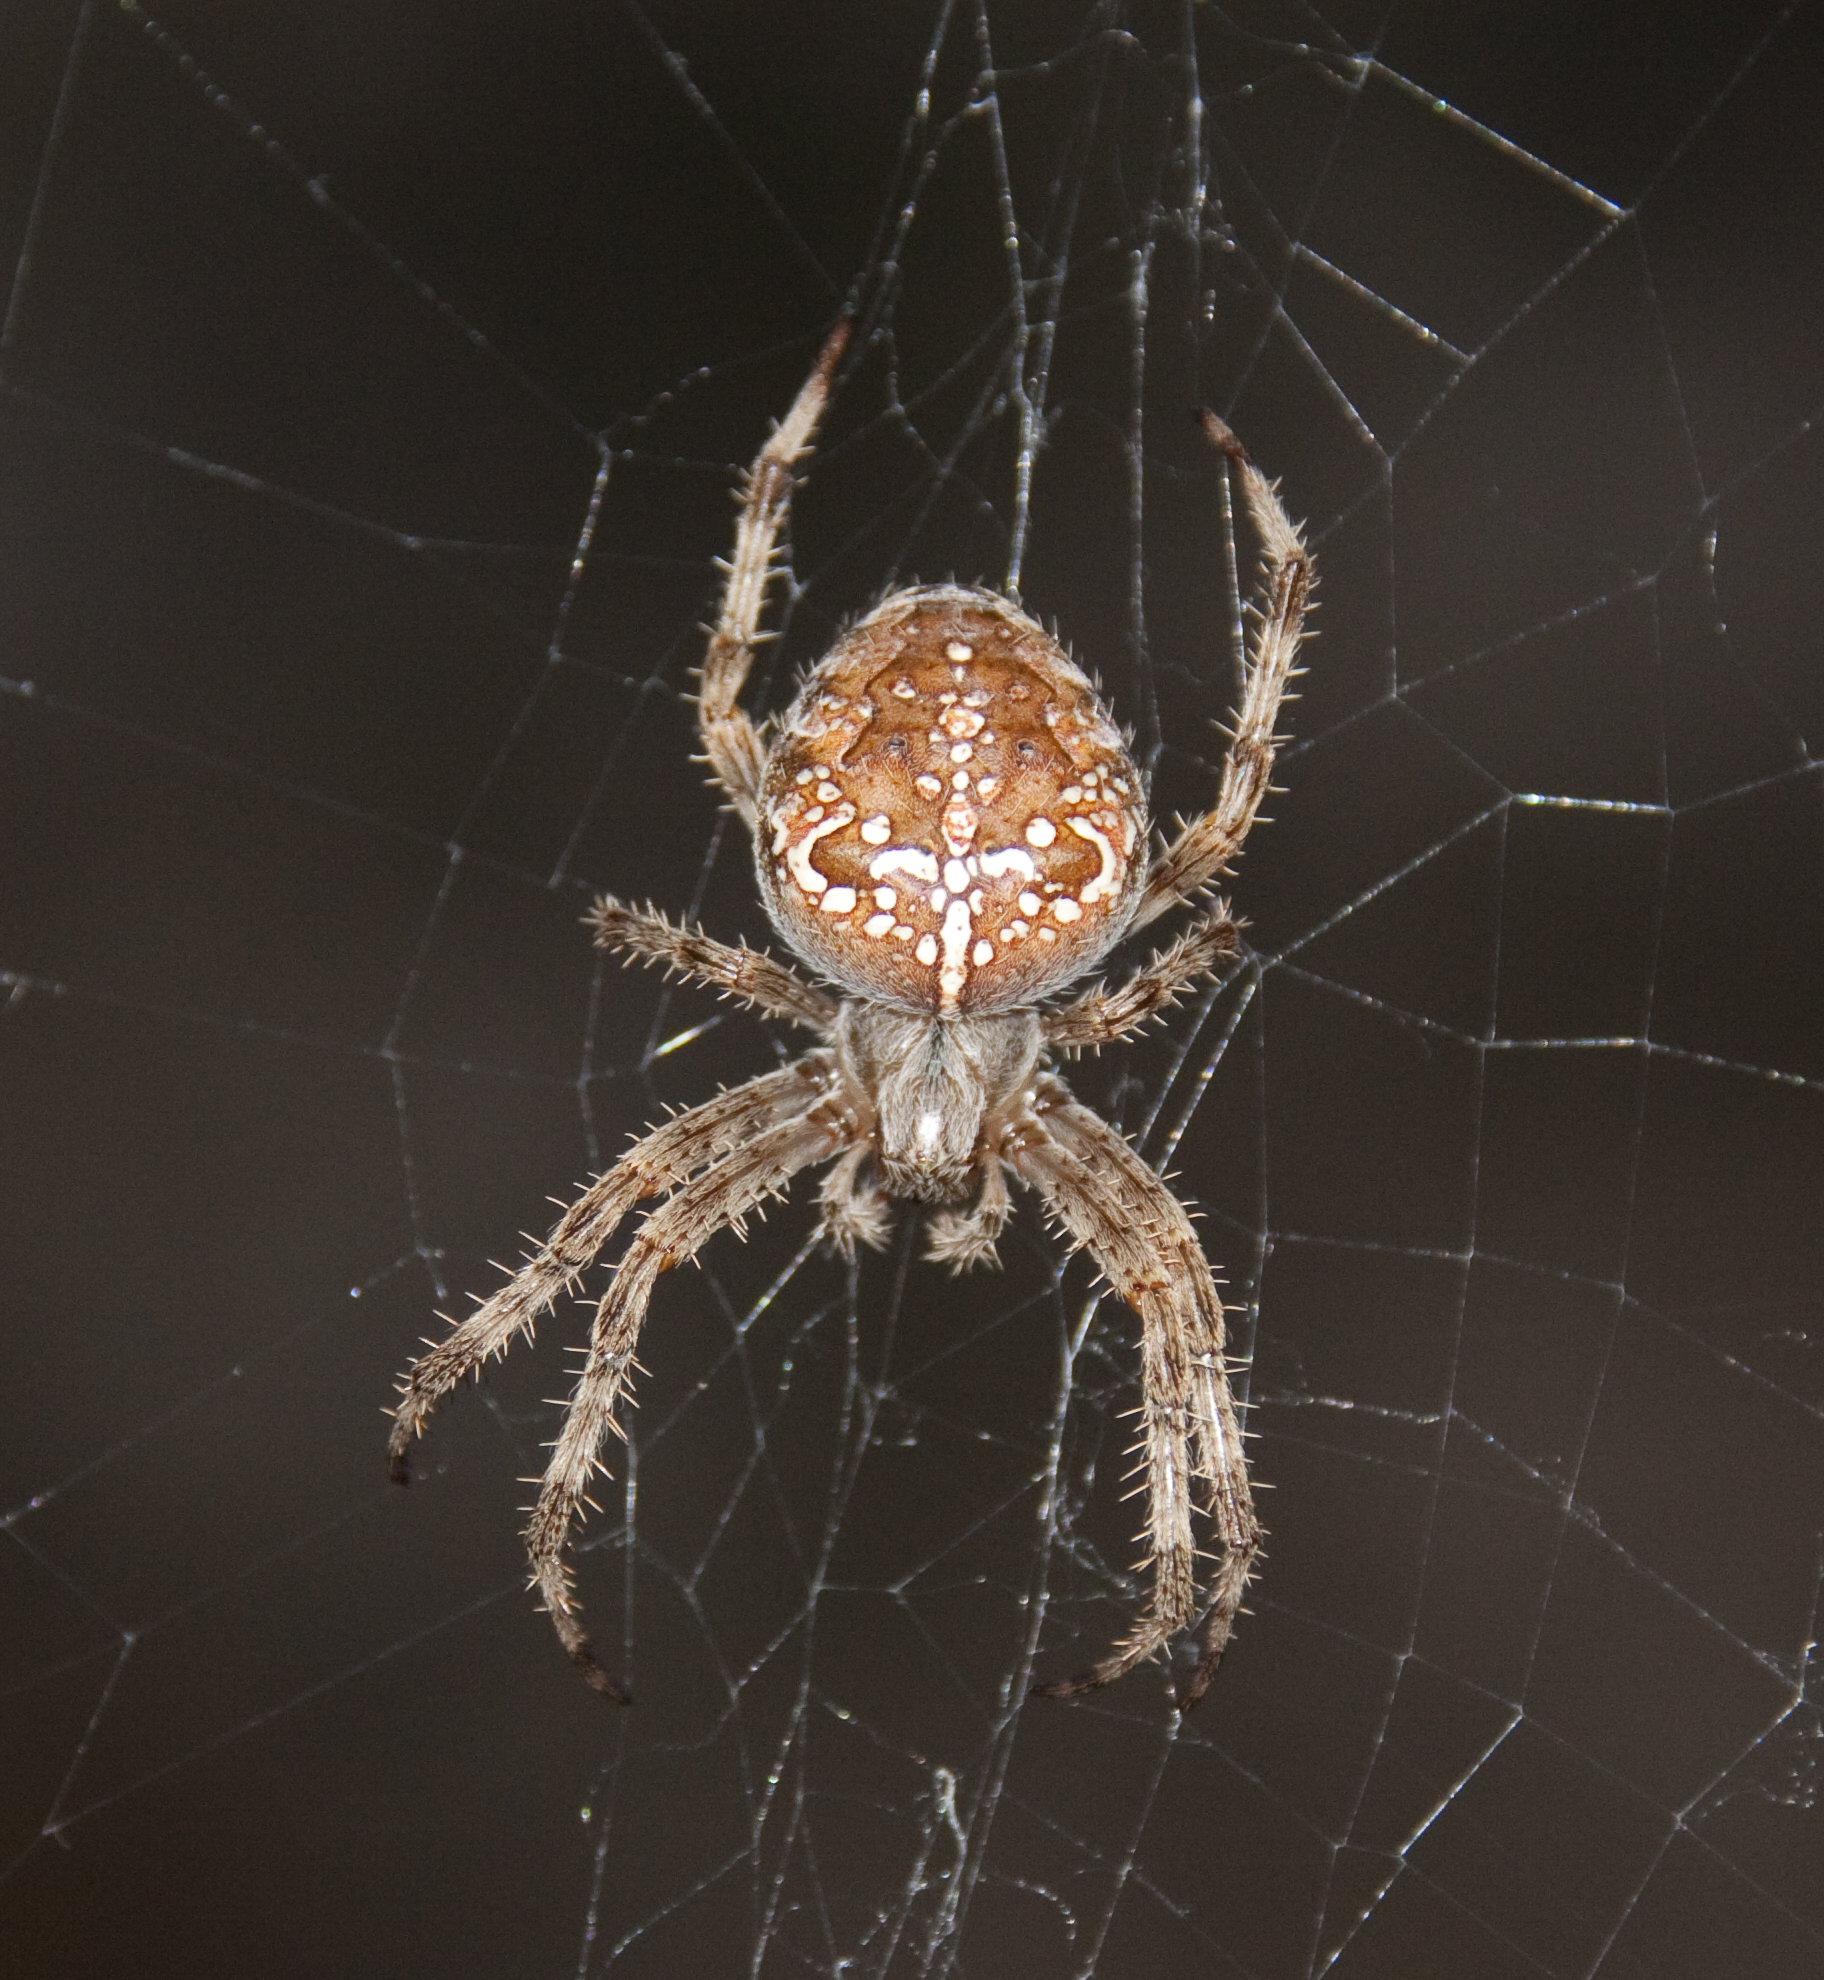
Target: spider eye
{"x":897,"y":745}
{"x":1028,"y":749}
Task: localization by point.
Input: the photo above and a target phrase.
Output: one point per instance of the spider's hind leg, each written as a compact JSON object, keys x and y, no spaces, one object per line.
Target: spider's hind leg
{"x":1206,"y":846}
{"x":732,"y":746}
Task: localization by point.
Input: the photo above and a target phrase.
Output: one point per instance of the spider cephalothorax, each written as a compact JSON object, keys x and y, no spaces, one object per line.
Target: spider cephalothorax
{"x":948,"y":828}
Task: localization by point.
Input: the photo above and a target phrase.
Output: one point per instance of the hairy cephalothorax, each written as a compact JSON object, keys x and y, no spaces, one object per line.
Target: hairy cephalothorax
{"x":949,"y":829}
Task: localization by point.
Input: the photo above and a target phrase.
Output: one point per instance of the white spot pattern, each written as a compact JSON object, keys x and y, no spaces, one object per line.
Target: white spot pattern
{"x":904,"y":859}
{"x":798,"y":857}
{"x":958,"y":926}
{"x":1104,"y":882}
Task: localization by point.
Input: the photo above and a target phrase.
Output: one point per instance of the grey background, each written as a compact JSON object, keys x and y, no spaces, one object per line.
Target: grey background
{"x":322,"y":324}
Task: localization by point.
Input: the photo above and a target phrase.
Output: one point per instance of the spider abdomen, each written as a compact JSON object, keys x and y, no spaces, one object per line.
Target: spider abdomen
{"x":949,"y":820}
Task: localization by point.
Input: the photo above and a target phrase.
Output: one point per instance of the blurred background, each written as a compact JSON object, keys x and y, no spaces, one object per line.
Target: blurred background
{"x":373,"y":380}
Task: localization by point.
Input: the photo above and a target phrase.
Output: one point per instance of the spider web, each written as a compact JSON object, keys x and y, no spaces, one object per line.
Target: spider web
{"x":374,"y":381}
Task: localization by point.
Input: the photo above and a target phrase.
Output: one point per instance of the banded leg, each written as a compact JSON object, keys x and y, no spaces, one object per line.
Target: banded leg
{"x":720,"y":1197}
{"x":1209,"y":843}
{"x":663,"y":1160}
{"x":730,"y":741}
{"x":1099,"y":1017}
{"x":1137,"y":1231}
{"x":751,"y":975}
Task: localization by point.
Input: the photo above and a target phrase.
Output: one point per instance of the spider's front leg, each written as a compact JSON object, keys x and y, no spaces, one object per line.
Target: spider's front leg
{"x":1138,"y":1232}
{"x":1207,"y":845}
{"x":737,"y":756}
{"x":720,"y":1197}
{"x":664,"y":1159}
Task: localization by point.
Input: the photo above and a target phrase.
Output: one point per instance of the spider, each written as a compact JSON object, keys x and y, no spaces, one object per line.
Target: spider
{"x":949,"y":830}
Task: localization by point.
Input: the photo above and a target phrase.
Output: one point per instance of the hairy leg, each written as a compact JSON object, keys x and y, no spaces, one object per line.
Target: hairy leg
{"x":730,"y":741}
{"x":664,"y":1159}
{"x":749,"y":974}
{"x":1099,"y":1017}
{"x":1209,"y":843}
{"x":1138,"y":1232}
{"x":720,"y":1197}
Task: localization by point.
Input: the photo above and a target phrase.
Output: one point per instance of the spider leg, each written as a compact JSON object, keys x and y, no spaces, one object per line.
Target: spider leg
{"x":1138,"y":1232}
{"x":1101,"y":1016}
{"x":965,"y":1238}
{"x":749,"y":974}
{"x":732,"y":744}
{"x":664,"y":1159}
{"x":1209,"y":843}
{"x":676,"y":1230}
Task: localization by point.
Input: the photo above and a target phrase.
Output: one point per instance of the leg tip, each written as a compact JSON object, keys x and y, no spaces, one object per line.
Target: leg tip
{"x":596,"y":1678}
{"x":1219,"y":433}
{"x":1073,"y":1687}
{"x":835,"y":344}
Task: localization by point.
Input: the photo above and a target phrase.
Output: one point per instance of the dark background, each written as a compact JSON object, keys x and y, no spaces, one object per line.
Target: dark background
{"x":321,"y":326}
